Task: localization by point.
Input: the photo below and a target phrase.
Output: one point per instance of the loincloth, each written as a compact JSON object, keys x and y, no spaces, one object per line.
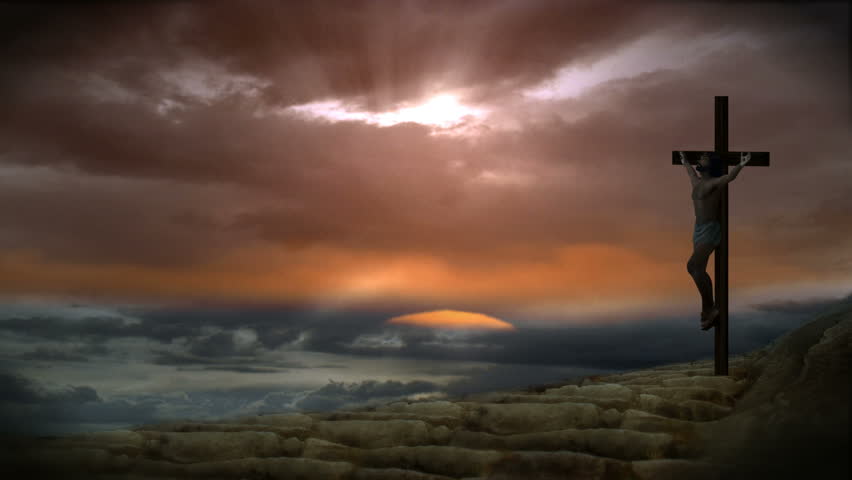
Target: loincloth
{"x":710,"y":232}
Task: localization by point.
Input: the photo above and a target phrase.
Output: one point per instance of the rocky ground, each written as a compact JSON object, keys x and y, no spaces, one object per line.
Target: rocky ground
{"x":782,"y":412}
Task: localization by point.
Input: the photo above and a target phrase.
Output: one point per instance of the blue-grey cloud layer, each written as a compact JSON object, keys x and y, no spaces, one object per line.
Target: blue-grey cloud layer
{"x":526,"y":356}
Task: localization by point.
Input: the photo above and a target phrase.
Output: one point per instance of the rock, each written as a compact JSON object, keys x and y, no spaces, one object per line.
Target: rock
{"x":442,"y":460}
{"x":607,"y":390}
{"x":279,"y":467}
{"x":721,"y":383}
{"x":394,"y":474}
{"x":694,"y":410}
{"x":435,"y":420}
{"x":668,"y":468}
{"x":375,"y":433}
{"x":793,"y":422}
{"x":547,"y":465}
{"x":287,"y":420}
{"x":529,"y":417}
{"x":199,"y":446}
{"x":113,"y":442}
{"x":320,"y":449}
{"x":438,"y":408}
{"x":609,"y":442}
{"x":648,"y":422}
{"x":603,"y":402}
{"x":681,"y":394}
{"x":297,"y":432}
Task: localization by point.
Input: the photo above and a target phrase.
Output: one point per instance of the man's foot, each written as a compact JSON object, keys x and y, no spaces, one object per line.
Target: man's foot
{"x":710,"y":318}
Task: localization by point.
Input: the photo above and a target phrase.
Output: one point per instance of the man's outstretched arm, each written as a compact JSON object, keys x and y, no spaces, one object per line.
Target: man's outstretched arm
{"x":693,"y":177}
{"x":730,"y":176}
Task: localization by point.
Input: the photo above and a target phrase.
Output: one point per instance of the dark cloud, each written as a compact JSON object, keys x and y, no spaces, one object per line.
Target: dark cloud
{"x":248,"y":364}
{"x":505,"y":377}
{"x":57,"y":328}
{"x":226,"y":402}
{"x":275,"y":326}
{"x":273,"y":337}
{"x":27,"y":407}
{"x":131,"y":138}
{"x":165,"y":325}
{"x":185,"y":328}
{"x":637,"y":343}
{"x":243,"y":369}
{"x":359,"y":215}
{"x":528,"y":356}
{"x":93,"y":349}
{"x":217,"y":345}
{"x":352,"y":48}
{"x":164,"y":357}
{"x":16,"y":388}
{"x":277,"y":402}
{"x":390,"y":189}
{"x":109,"y":223}
{"x":810,"y":306}
{"x":335,"y":395}
{"x":52,"y":355}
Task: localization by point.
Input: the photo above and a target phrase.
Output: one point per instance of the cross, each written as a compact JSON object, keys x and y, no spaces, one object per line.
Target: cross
{"x":758,"y":159}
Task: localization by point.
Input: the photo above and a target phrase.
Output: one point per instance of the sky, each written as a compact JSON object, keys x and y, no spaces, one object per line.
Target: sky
{"x":210,"y":210}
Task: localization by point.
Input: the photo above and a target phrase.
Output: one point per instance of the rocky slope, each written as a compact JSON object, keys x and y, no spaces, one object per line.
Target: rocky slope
{"x":782,"y":412}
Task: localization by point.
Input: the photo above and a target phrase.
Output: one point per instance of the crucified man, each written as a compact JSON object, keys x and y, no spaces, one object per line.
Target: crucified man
{"x":706,"y":197}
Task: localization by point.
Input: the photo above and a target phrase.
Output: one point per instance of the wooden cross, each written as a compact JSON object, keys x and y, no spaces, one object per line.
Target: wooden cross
{"x":758,"y":159}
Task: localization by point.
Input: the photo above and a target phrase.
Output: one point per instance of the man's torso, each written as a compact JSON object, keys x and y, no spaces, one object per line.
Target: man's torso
{"x":706,"y":203}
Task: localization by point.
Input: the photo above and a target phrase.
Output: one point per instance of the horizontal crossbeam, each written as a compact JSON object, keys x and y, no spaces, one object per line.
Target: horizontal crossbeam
{"x":758,"y":159}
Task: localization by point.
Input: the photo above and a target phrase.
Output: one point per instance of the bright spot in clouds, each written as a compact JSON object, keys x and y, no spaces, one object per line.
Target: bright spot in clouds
{"x":504,"y":178}
{"x":442,"y":111}
{"x":452,"y":319}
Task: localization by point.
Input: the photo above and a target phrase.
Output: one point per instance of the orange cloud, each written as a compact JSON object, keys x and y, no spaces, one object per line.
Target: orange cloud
{"x":452,"y":319}
{"x":584,"y":277}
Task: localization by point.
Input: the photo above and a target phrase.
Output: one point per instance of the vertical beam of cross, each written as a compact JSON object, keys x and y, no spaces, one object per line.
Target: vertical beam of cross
{"x":758,"y":159}
{"x":721,"y":255}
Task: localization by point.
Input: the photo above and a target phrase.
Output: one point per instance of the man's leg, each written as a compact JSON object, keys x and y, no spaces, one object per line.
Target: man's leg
{"x":697,"y":268}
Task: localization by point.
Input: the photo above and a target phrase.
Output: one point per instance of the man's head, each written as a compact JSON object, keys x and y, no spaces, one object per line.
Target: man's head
{"x":710,"y":165}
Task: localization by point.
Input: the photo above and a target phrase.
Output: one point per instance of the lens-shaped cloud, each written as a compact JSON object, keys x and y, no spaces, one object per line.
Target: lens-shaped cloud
{"x":452,"y":319}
